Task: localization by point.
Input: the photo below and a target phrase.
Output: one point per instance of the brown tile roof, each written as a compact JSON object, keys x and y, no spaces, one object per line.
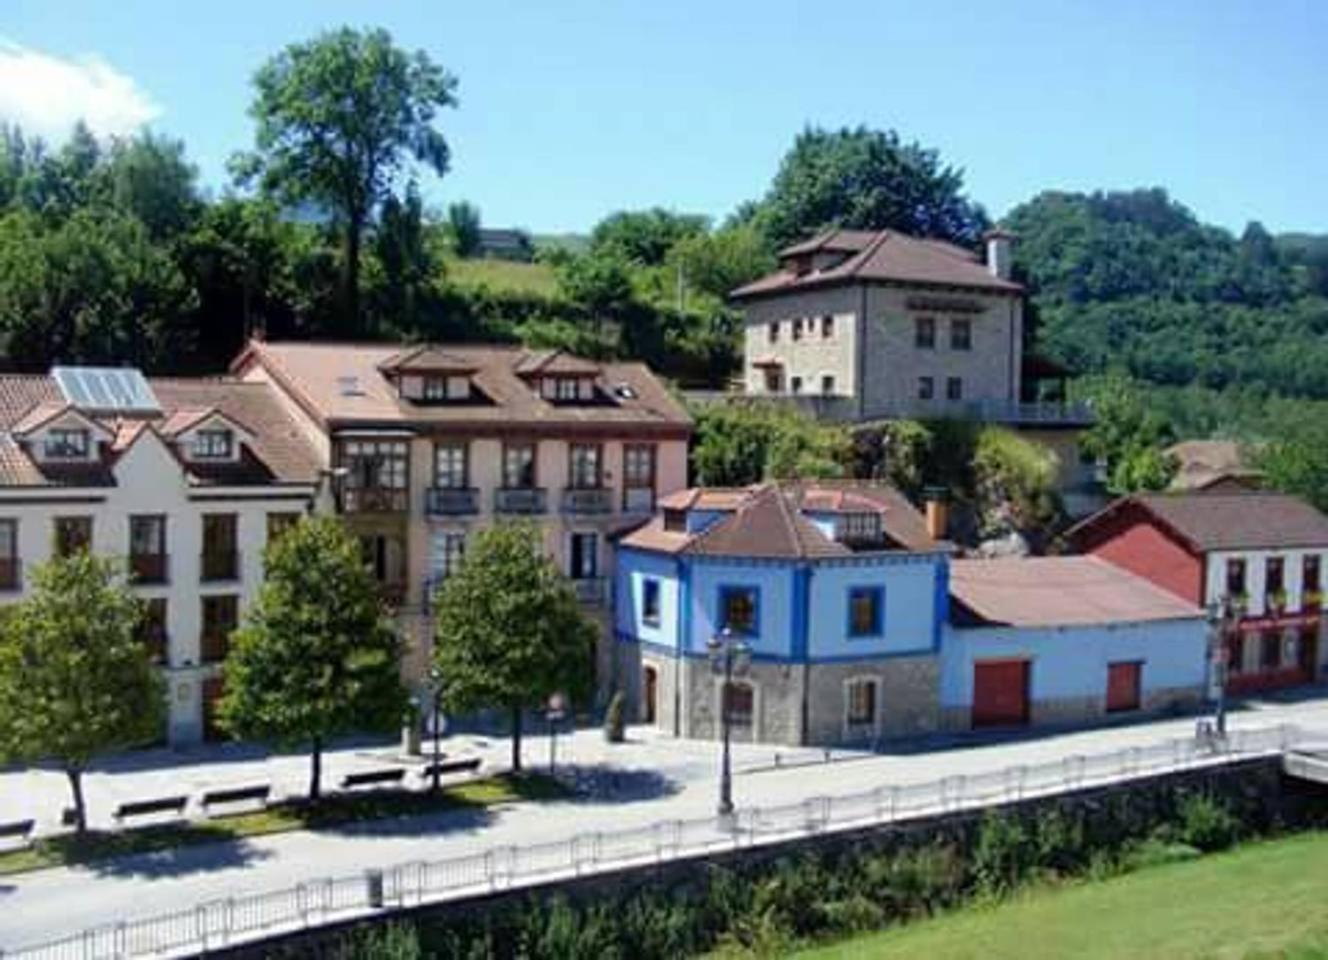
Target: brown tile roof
{"x":425,"y":357}
{"x":1057,"y":592}
{"x":888,"y":257}
{"x":767,"y":521}
{"x":1246,"y":520}
{"x":1203,"y":463}
{"x":317,"y":375}
{"x":280,"y":453}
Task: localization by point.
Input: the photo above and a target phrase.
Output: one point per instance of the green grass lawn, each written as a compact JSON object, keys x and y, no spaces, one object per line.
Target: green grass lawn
{"x":66,"y":850}
{"x":535,"y":278}
{"x":1265,"y":900}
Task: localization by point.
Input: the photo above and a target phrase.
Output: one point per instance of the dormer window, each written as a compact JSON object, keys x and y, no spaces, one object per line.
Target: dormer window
{"x":566,"y":388}
{"x":66,"y":443}
{"x":860,"y":528}
{"x":435,"y":388}
{"x":213,"y":444}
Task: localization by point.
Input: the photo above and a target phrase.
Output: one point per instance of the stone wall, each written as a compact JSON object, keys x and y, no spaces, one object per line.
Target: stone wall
{"x":907,"y":699}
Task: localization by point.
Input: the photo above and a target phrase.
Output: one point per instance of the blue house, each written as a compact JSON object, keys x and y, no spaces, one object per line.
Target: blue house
{"x":838,"y":590}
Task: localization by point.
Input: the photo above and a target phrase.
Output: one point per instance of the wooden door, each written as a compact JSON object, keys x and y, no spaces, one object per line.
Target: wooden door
{"x":213,"y":687}
{"x":650,"y":690}
{"x":1123,"y":686}
{"x":1000,"y":693}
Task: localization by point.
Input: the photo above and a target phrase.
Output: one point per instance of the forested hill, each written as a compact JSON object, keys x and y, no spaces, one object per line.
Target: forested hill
{"x":1134,"y":280}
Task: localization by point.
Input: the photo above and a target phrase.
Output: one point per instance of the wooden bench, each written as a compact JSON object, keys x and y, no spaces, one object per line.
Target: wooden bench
{"x":143,"y":808}
{"x":255,"y":794}
{"x":20,"y":830}
{"x":372,"y":778}
{"x":468,"y":765}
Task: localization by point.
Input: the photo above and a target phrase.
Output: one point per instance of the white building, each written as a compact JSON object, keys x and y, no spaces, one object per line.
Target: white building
{"x":184,"y":480}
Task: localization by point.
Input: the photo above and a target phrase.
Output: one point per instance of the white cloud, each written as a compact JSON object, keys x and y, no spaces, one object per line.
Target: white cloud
{"x":46,"y":95}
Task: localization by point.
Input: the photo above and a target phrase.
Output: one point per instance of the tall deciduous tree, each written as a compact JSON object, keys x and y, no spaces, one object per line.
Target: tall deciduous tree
{"x":509,"y":630}
{"x":316,"y":657}
{"x":463,"y":226}
{"x":866,"y":179}
{"x":339,"y":118}
{"x":75,"y":680}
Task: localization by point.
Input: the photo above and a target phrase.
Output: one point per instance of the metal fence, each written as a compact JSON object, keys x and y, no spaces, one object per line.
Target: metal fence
{"x":235,"y":920}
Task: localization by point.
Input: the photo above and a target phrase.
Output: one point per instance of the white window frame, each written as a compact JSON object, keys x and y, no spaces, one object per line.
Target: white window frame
{"x":850,"y":728}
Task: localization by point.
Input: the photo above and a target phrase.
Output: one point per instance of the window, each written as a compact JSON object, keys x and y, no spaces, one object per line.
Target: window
{"x":961,"y":334}
{"x":434,"y":388}
{"x":827,"y":384}
{"x":152,"y":629}
{"x":772,"y":332}
{"x":72,"y":534}
{"x":797,"y":329}
{"x":827,"y":327}
{"x":675,"y":521}
{"x":639,"y":465}
{"x":865,"y":608}
{"x":739,"y":703}
{"x":385,"y":556}
{"x":585,"y":466}
{"x":280,"y":522}
{"x":519,"y":466}
{"x":450,"y":466}
{"x":448,"y":551}
{"x":774,"y":380}
{"x":1235,"y":578}
{"x":377,"y":472}
{"x":926,"y":388}
{"x":147,"y":548}
{"x":9,"y":565}
{"x":650,"y":602}
{"x":213,"y":445}
{"x":795,"y":385}
{"x":954,"y":388}
{"x":924,"y":333}
{"x":1270,"y":650}
{"x":221,"y":561}
{"x":862,"y":703}
{"x":567,"y":388}
{"x":220,"y":616}
{"x":584,"y":560}
{"x":66,"y":443}
{"x":862,"y":527}
{"x":1274,"y":580}
{"x":737,"y":610}
{"x":1311,"y":581}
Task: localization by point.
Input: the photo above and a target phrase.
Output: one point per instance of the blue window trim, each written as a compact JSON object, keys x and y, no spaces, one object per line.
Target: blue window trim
{"x":878,"y":619}
{"x":727,"y":590}
{"x":649,"y":585}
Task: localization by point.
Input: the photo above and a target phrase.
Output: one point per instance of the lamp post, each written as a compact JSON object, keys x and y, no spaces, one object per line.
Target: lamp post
{"x":729,"y":657}
{"x":436,"y":721}
{"x":555,"y":710}
{"x":1221,"y":613}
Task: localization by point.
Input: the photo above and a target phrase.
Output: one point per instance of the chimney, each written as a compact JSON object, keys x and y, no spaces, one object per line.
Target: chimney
{"x":938,"y":514}
{"x":998,"y":252}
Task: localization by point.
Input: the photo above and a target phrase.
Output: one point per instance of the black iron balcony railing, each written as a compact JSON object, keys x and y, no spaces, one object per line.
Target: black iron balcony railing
{"x":451,"y":501}
{"x":587,"y":500}
{"x":375,"y":500}
{"x":220,"y":565}
{"x":520,"y":500}
{"x":639,"y":500}
{"x":149,"y":567}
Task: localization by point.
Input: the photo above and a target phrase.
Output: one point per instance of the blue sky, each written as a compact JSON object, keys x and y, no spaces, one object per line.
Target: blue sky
{"x":573,"y":109}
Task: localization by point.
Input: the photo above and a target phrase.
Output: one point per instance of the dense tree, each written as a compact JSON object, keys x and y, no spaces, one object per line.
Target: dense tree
{"x":716,"y":263}
{"x":509,"y":631}
{"x":316,"y":656}
{"x":645,"y":237}
{"x":1128,"y":436}
{"x":743,"y":443}
{"x":75,"y":680}
{"x":1295,"y":459}
{"x":1015,"y":483}
{"x":866,"y":179}
{"x":408,"y":264}
{"x":338,"y":120}
{"x":149,"y":178}
{"x":463,"y":227}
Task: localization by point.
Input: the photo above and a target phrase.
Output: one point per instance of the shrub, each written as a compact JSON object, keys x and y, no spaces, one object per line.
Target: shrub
{"x":1003,"y":854}
{"x":1206,"y":823}
{"x":615,"y":723}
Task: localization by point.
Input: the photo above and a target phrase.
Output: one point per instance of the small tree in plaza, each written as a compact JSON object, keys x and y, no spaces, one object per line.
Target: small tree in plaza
{"x":75,"y":679}
{"x":316,"y":656}
{"x":509,"y":630}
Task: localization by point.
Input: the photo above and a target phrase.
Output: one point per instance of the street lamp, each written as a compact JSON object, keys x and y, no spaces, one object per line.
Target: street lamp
{"x":1221,"y":614}
{"x":555,"y":710}
{"x":729,"y":657}
{"x":436,"y":721}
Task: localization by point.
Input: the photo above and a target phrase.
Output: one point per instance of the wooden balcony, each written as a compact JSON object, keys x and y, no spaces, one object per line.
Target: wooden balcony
{"x":587,"y":501}
{"x":451,"y":501}
{"x":375,"y":500}
{"x":522,"y":501}
{"x":219,"y":565}
{"x":149,"y":568}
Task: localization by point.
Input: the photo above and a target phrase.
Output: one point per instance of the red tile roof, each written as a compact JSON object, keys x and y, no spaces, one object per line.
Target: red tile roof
{"x":1245,"y":520}
{"x":884,"y":256}
{"x":1057,"y":592}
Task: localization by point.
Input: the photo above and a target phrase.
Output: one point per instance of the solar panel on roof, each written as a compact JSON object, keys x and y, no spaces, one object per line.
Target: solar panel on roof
{"x":106,"y":388}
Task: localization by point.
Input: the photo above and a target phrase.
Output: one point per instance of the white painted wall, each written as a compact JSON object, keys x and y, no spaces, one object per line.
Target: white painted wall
{"x":1215,"y":575}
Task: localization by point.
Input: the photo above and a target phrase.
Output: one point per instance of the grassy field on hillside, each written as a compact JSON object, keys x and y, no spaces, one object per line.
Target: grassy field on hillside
{"x":536,"y":278}
{"x":1266,"y":900}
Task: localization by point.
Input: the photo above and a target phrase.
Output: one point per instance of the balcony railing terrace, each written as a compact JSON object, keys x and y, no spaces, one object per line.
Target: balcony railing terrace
{"x":591,"y":591}
{"x":148,"y":568}
{"x":220,"y":565}
{"x":375,"y":500}
{"x":587,"y":500}
{"x":639,"y":500}
{"x":520,"y":500}
{"x":451,"y":501}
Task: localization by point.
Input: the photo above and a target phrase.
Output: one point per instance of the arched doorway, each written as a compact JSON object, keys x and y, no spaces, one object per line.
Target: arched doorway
{"x":649,"y":694}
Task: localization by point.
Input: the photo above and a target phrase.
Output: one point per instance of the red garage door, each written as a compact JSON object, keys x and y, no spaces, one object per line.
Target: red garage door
{"x":1000,"y":693}
{"x":1123,"y":685}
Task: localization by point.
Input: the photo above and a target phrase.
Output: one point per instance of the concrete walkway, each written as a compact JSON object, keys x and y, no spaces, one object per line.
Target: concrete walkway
{"x":674,"y":779}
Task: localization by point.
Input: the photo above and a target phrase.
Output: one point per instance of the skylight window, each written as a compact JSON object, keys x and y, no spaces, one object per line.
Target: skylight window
{"x":106,"y":388}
